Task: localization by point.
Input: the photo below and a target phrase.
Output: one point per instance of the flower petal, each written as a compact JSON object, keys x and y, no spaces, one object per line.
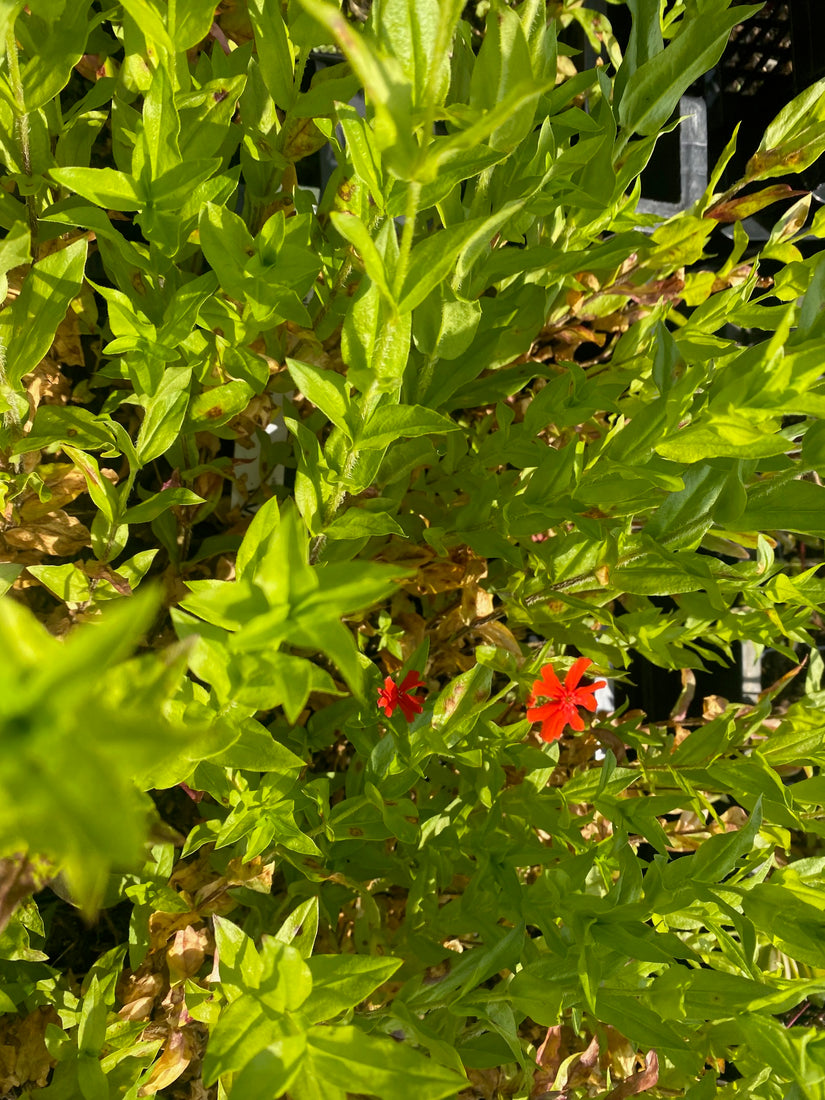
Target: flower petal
{"x":549,"y":685}
{"x":591,"y":687}
{"x":543,"y":712}
{"x":577,"y":670}
{"x":388,"y":696}
{"x":411,"y":681}
{"x":576,"y":721}
{"x":553,"y":727}
{"x":410,"y":706}
{"x":586,"y":701}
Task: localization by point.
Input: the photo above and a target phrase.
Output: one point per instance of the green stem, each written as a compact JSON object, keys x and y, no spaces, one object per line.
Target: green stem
{"x":344,"y":272}
{"x":332,"y":509}
{"x":410,"y":214}
{"x":21,"y":121}
{"x":11,"y":419}
{"x":425,"y":377}
{"x":482,"y":189}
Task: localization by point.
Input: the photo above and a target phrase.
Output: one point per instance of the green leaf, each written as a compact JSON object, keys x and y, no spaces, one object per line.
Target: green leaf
{"x":326,"y":390}
{"x":520,"y":101}
{"x":785,"y":506}
{"x":653,"y":91}
{"x":645,"y":42}
{"x":471,"y":969}
{"x":375,"y":342}
{"x":444,"y":325}
{"x":358,"y":523}
{"x":159,"y":503}
{"x":214,"y":407}
{"x":88,"y":693}
{"x":433,"y":259}
{"x":68,"y":582}
{"x":9,"y":10}
{"x":254,"y":546}
{"x":104,"y":187}
{"x":274,"y":51}
{"x":799,"y":932}
{"x":718,"y":855}
{"x":454,"y":166}
{"x":273,"y":1070}
{"x":638,"y":1022}
{"x":795,"y":138}
{"x":48,"y":289}
{"x":726,"y":435}
{"x":101,"y":490}
{"x":165,"y":413}
{"x":192,"y":23}
{"x":293,"y":679}
{"x":15,"y":248}
{"x":384,"y":81}
{"x":340,"y":982}
{"x":352,"y":1060}
{"x":418,"y":36}
{"x":391,"y":422}
{"x":60,"y":34}
{"x":352,"y":229}
{"x":55,"y":424}
{"x":501,"y":66}
{"x":300,"y":929}
{"x":227,"y":245}
{"x":685,"y":516}
{"x":244,"y":1029}
{"x":257,"y":750}
{"x":161,"y":127}
{"x":9,"y":572}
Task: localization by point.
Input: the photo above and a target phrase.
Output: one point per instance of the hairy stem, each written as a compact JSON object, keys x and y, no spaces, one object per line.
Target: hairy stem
{"x":21,"y":124}
{"x":410,"y":214}
{"x":343,"y":273}
{"x":332,"y":509}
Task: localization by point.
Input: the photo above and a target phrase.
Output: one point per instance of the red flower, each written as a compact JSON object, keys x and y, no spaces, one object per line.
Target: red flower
{"x":564,"y":698}
{"x":393,"y":695}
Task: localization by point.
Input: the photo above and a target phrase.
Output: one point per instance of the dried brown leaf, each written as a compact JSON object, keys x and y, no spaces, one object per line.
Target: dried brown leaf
{"x":57,"y":534}
{"x":176,"y":1056}
{"x":20,"y":877}
{"x":24,"y":1059}
{"x":641,"y":1081}
{"x":501,"y":636}
{"x":186,"y":953}
{"x":65,"y":483}
{"x":67,"y":348}
{"x":46,"y":385}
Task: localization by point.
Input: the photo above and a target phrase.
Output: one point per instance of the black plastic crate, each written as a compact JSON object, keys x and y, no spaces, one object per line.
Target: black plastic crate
{"x":770,"y":58}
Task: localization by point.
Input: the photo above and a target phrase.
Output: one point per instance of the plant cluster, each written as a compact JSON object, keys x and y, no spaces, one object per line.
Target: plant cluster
{"x":317,"y":504}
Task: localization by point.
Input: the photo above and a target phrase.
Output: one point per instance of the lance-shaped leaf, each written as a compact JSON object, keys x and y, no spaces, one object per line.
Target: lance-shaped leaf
{"x":654,"y":89}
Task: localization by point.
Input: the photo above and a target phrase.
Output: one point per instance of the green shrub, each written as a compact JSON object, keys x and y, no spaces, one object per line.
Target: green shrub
{"x":292,"y":785}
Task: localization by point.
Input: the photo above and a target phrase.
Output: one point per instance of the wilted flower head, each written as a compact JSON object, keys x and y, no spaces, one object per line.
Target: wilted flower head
{"x":393,"y":695}
{"x":564,"y":698}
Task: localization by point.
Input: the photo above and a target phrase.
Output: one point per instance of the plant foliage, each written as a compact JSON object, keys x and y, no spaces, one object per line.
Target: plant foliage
{"x":459,"y":416}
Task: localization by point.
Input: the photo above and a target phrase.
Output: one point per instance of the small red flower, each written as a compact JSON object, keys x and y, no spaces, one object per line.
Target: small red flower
{"x":564,"y":698}
{"x":393,"y":695}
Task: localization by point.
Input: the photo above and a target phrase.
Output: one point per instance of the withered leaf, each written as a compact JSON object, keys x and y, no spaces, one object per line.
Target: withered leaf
{"x":185,"y":954}
{"x":62,"y":480}
{"x":641,"y":1081}
{"x":57,"y":533}
{"x":24,"y":1059}
{"x":176,"y":1056}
